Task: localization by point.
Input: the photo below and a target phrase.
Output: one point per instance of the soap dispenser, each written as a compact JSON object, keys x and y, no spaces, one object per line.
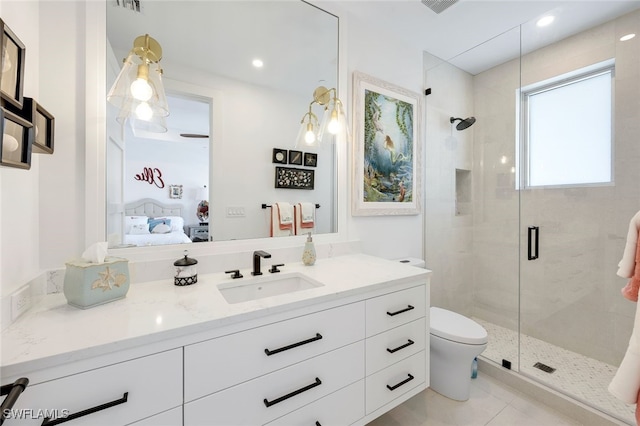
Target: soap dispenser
{"x":309,"y":252}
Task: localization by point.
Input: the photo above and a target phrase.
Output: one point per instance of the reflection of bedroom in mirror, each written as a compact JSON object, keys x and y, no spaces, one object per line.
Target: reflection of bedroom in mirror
{"x":157,"y":210}
{"x":246,"y":111}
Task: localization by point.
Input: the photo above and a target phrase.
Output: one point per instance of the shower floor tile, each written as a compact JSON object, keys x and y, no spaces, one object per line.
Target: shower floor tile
{"x":577,"y":376}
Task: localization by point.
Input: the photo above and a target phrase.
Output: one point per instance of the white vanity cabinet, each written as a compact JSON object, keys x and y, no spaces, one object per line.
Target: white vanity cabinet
{"x":117,"y":394}
{"x":343,"y":354}
{"x":397,"y":347}
{"x":255,"y":376}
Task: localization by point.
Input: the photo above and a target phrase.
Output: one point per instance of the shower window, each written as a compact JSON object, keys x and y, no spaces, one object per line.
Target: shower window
{"x":568,"y":129}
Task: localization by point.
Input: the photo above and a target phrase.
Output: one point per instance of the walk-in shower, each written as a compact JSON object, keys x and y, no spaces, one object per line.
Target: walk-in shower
{"x":556,"y":317}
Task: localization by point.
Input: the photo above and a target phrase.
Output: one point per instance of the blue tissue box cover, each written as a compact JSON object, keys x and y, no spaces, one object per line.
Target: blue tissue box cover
{"x":90,"y":284}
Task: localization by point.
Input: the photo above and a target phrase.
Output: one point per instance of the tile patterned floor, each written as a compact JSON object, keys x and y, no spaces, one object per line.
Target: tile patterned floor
{"x":582,"y":378}
{"x":491,"y":403}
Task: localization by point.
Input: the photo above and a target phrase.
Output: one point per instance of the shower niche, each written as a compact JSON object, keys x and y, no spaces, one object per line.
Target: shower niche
{"x":463,"y":204}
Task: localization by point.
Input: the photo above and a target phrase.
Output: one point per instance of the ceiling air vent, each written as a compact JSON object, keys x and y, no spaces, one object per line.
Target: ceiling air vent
{"x":439,"y":6}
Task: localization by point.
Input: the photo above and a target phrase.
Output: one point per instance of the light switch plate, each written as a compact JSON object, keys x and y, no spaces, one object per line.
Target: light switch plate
{"x":237,"y":211}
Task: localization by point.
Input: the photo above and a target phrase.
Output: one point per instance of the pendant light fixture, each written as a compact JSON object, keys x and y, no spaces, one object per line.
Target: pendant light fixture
{"x":333,"y":121}
{"x":138,"y":91}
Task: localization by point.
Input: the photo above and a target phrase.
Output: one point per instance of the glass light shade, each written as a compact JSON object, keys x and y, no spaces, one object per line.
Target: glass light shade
{"x":334,"y":124}
{"x":323,"y":125}
{"x":155,"y":124}
{"x":139,"y":81}
{"x":307,"y":136}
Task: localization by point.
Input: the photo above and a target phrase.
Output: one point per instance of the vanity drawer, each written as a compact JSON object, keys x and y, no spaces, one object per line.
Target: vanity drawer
{"x":393,"y":345}
{"x":343,"y":407}
{"x":223,"y":362}
{"x":390,"y":383}
{"x":394,"y":309}
{"x":284,"y":390}
{"x":152,"y":384}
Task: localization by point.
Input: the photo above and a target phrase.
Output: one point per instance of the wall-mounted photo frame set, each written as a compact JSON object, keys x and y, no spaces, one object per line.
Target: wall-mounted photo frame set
{"x":12,"y":67}
{"x":310,"y":159}
{"x":15,"y":144}
{"x":291,"y":178}
{"x":279,"y":156}
{"x":43,"y":125}
{"x":295,"y":157}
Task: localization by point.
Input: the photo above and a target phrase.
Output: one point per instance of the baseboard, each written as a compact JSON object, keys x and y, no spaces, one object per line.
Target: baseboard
{"x":550,"y":397}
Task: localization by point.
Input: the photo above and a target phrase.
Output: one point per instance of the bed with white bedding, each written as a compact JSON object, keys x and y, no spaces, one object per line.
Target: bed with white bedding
{"x":148,"y":222}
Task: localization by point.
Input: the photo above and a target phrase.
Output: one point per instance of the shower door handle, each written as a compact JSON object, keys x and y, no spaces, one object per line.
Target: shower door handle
{"x":533,"y":242}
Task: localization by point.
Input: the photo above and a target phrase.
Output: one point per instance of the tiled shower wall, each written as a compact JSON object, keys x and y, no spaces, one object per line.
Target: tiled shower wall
{"x":570,"y":296}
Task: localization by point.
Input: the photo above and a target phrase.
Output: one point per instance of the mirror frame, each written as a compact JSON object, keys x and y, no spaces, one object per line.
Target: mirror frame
{"x":95,"y":150}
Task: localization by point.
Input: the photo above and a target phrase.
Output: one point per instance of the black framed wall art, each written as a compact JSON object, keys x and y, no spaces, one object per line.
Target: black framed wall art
{"x":12,"y":61}
{"x":15,"y":143}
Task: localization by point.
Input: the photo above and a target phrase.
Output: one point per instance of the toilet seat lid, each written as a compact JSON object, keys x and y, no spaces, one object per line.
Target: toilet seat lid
{"x":455,"y":327}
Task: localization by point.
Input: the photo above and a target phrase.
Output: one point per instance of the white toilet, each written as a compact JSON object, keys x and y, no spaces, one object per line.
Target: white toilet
{"x":455,"y":341}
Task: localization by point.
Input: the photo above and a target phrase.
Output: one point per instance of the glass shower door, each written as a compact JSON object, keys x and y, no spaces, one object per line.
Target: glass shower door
{"x":574,"y":323}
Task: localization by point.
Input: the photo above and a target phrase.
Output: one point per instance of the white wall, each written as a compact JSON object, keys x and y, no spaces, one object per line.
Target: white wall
{"x":383,"y":56}
{"x":20,"y":196}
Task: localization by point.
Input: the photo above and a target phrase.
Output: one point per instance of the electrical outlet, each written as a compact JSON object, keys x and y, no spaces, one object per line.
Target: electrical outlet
{"x":20,"y":302}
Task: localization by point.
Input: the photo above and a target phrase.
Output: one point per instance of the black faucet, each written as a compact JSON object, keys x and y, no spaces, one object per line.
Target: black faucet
{"x":256,"y":261}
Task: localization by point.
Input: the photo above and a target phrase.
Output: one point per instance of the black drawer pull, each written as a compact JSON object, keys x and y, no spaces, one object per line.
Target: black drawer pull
{"x":407,"y":380}
{"x":318,"y":424}
{"x":294,"y":345}
{"x":13,"y":391}
{"x":408,"y":308}
{"x":409,"y":343}
{"x":294,"y":393}
{"x":48,"y":422}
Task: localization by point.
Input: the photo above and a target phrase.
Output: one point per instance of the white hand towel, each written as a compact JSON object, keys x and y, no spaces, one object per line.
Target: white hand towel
{"x":627,"y":264}
{"x":626,"y":382}
{"x":303,"y":213}
{"x":281,"y":220}
{"x":308,"y":212}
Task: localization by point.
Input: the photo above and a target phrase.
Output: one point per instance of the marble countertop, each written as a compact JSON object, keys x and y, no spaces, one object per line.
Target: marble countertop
{"x":53,"y":331}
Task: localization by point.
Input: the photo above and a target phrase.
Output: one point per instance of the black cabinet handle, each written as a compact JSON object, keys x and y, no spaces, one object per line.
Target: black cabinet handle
{"x":535,"y":242}
{"x":409,"y":343}
{"x":294,"y":393}
{"x":12,"y":391}
{"x":407,"y":380}
{"x":318,"y":424}
{"x":294,"y":345}
{"x":48,"y":422}
{"x":408,"y":308}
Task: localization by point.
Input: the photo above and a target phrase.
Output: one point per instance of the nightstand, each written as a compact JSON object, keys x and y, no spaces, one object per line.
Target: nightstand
{"x":197,"y":233}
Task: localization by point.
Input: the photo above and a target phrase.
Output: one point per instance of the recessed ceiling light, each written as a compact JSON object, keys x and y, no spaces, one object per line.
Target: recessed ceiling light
{"x":627,"y":37}
{"x":257,"y":63}
{"x":547,"y":20}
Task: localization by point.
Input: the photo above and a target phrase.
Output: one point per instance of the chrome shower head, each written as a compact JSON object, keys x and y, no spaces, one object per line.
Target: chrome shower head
{"x":464,"y":123}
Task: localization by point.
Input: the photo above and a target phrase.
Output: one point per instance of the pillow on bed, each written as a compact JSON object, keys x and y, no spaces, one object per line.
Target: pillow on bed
{"x":129,"y":221}
{"x":159,"y":221}
{"x":139,"y":229}
{"x":161,"y":228}
{"x":177,"y":223}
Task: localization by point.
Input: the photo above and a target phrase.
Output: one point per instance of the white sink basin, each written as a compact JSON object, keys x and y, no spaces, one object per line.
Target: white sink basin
{"x":253,"y":288}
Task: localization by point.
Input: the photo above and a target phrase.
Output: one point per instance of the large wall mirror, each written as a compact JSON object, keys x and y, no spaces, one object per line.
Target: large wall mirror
{"x":228,"y":119}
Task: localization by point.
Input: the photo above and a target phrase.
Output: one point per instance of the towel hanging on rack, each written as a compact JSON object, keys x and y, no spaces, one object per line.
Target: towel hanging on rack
{"x":281,"y":220}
